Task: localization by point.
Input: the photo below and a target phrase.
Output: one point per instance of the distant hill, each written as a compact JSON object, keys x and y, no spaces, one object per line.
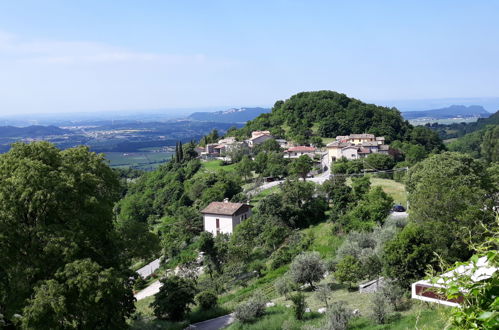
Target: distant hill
{"x":454,"y":111}
{"x":240,"y":115}
{"x":31,"y":131}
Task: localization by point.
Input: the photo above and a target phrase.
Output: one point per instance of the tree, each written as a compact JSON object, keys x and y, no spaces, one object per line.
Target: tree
{"x":490,"y":144}
{"x":81,"y":296}
{"x":260,"y":162}
{"x":301,"y":166}
{"x":284,"y":286}
{"x":55,"y":207}
{"x":369,"y":212}
{"x":299,"y":305}
{"x":307,"y":267}
{"x":207,"y":246}
{"x":379,"y":162}
{"x":173,"y":299}
{"x":449,"y":194}
{"x":275,"y":165}
{"x":380,"y":308}
{"x":270,"y":145}
{"x":323,"y":292}
{"x":317,"y":142}
{"x":245,"y":167}
{"x":360,"y":186}
{"x":349,"y":271}
{"x":408,"y":255}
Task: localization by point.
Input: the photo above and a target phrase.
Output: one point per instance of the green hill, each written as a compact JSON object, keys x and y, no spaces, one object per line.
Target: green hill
{"x":328,"y":114}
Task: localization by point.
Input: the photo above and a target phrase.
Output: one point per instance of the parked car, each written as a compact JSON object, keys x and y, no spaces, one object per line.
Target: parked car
{"x":398,"y":208}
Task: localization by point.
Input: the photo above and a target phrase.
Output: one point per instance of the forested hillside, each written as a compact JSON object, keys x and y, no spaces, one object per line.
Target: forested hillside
{"x":327,"y":114}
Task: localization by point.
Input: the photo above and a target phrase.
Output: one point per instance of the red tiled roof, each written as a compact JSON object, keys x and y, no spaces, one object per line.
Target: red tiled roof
{"x":301,"y":149}
{"x":224,"y":208}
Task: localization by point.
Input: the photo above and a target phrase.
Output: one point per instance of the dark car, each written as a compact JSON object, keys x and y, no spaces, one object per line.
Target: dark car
{"x":398,"y":208}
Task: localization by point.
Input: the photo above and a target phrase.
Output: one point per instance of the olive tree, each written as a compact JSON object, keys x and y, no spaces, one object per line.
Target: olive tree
{"x":307,"y":267}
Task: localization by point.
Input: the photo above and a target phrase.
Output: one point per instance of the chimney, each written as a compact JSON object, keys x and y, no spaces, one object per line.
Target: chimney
{"x":226,"y":200}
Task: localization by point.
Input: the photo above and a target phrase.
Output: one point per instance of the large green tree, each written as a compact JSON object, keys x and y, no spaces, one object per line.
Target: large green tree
{"x":56,"y":207}
{"x":82,"y":295}
{"x":450,"y":197}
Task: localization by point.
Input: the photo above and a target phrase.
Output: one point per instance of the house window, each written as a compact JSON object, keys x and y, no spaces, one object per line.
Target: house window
{"x":218,"y":225}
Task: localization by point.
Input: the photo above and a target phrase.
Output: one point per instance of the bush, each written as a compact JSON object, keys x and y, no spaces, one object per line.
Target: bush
{"x":338,"y":316}
{"x":250,"y":310}
{"x":380,"y":308}
{"x":299,"y":305}
{"x":206,"y":300}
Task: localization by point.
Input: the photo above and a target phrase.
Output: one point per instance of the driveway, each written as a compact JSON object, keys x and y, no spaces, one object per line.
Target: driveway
{"x":319,"y":179}
{"x":213,"y":324}
{"x":151,"y":290}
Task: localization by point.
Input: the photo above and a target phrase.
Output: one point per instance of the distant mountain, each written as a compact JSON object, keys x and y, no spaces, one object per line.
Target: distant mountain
{"x":454,"y":111}
{"x":240,"y":115}
{"x":31,"y":131}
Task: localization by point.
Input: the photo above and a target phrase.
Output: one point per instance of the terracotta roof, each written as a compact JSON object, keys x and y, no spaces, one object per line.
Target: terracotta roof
{"x":380,"y":138}
{"x":224,"y":208}
{"x":301,"y":149}
{"x":219,"y":147}
{"x":364,"y":151}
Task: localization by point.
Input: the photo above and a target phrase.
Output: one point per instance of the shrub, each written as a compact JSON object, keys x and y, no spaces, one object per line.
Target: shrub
{"x":338,"y":316}
{"x":299,"y":305}
{"x":250,"y":310}
{"x":380,"y":308}
{"x":206,"y":300}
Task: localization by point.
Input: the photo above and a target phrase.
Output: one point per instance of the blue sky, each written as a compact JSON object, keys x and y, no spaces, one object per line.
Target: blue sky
{"x":74,"y":56}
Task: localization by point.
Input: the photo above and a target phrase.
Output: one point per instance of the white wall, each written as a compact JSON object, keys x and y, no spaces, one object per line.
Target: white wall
{"x":227,"y":223}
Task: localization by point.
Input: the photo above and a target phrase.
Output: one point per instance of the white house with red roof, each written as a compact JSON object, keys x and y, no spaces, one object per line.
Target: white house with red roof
{"x":295,"y":152}
{"x":258,"y":137}
{"x":223,"y":217}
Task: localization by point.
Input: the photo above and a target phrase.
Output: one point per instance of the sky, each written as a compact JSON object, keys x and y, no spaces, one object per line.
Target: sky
{"x":128,"y":55}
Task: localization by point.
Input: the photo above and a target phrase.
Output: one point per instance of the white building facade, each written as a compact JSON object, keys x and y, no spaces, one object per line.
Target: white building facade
{"x":223,"y":217}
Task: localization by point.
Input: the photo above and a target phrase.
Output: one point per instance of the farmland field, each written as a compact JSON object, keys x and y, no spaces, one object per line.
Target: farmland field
{"x":145,"y":160}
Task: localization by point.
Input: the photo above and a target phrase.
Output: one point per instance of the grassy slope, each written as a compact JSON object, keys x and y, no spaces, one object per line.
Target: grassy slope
{"x":418,"y":317}
{"x":392,"y":188}
{"x":215,"y":165}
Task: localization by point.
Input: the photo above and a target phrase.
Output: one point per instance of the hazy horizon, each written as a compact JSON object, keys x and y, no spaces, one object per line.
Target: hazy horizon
{"x":93,"y":56}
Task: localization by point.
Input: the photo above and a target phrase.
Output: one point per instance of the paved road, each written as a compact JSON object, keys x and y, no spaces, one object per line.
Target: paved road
{"x":213,"y":324}
{"x":151,"y":290}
